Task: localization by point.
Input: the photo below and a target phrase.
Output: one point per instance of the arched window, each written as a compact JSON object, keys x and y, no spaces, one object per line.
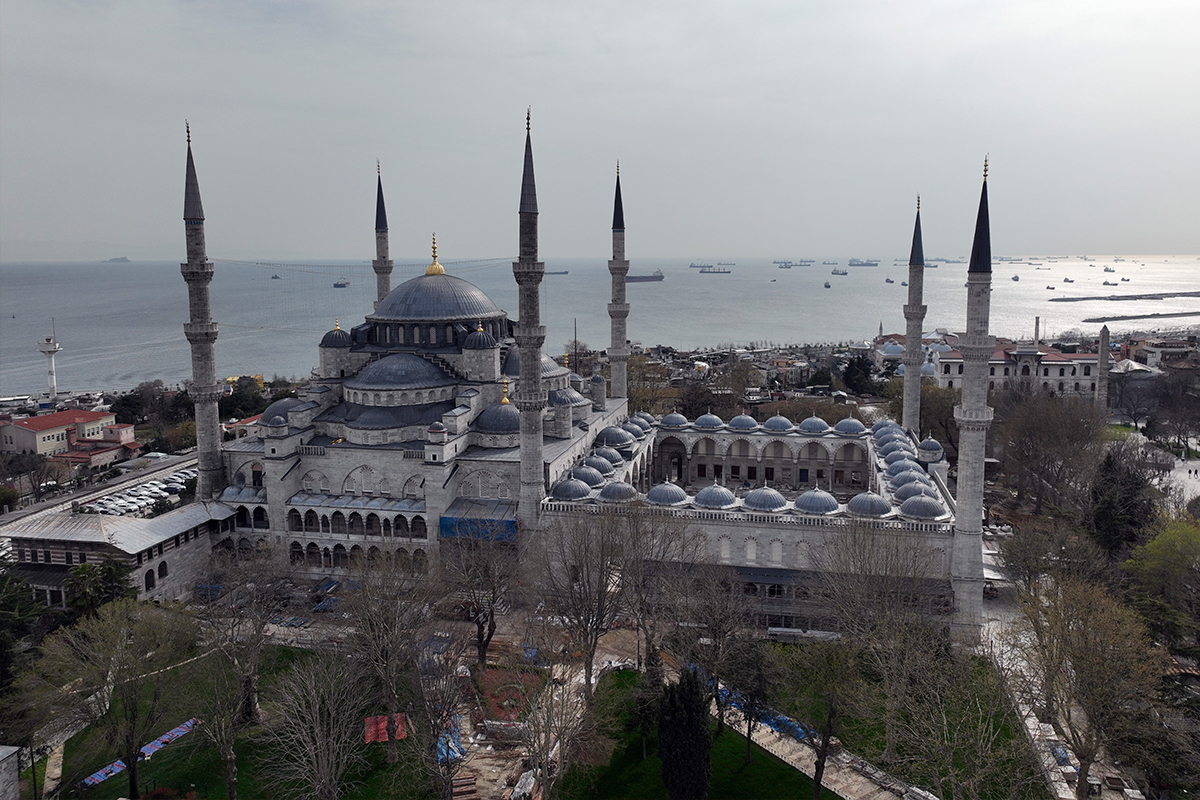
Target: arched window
{"x":294,"y":521}
{"x":418,"y":528}
{"x":946,"y":369}
{"x":356,"y":524}
{"x":326,"y":557}
{"x":339,"y":522}
{"x":1025,"y":371}
{"x":403,"y":560}
{"x":372,"y":554}
{"x":775,"y":590}
{"x":991,"y":370}
{"x":420,"y":562}
{"x":260,"y":518}
{"x":310,"y":521}
{"x":243,"y":517}
{"x":324,"y":523}
{"x":149,"y":579}
{"x":1006,"y":372}
{"x":1062,"y":371}
{"x":1060,"y":386}
{"x":949,"y":384}
{"x":387,"y":527}
{"x":750,"y":588}
{"x":372,"y":525}
{"x":340,"y":557}
{"x":1087,"y":370}
{"x":256,"y":474}
{"x":991,"y":385}
{"x":1093,"y":386}
{"x":1045,"y":372}
{"x":162,"y":570}
{"x":295,"y":553}
{"x":402,"y":526}
{"x":356,"y":554}
{"x":960,"y":369}
{"x":1077,"y":386}
{"x":313,"y":554}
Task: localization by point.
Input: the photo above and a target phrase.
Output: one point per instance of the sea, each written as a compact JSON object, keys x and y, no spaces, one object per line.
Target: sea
{"x":122,"y":323}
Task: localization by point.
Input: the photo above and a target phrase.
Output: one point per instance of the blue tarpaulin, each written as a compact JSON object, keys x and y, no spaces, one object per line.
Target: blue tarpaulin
{"x":480,"y":518}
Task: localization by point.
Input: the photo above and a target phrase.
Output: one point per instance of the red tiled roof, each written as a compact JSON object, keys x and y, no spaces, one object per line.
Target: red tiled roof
{"x":61,"y":419}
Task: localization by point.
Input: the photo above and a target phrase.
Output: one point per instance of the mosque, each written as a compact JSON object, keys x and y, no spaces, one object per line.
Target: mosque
{"x":441,"y":417}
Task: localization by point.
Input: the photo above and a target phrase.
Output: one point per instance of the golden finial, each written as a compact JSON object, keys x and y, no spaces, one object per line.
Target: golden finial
{"x":188,"y":126}
{"x":567,"y":359}
{"x":336,"y":327}
{"x":504,"y":399}
{"x":479,"y":328}
{"x":528,"y":114}
{"x":435,"y":268}
{"x":985,"y":166}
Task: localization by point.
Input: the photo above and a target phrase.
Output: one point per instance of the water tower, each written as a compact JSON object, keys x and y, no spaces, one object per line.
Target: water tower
{"x":49,"y":347}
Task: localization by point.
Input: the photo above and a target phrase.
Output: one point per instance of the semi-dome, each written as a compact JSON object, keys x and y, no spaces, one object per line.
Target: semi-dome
{"x":571,"y":489}
{"x":435,"y":298}
{"x":715,"y":496}
{"x":399,"y":371}
{"x":280,"y":408}
{"x":902,"y":445}
{"x":764,"y":498}
{"x":899,"y":454}
{"x":922,"y":507}
{"x":743,"y":422}
{"x":566,"y":397}
{"x":813,"y":425}
{"x":708,"y":422}
{"x":912,"y":490}
{"x":550,"y":367}
{"x":618,"y":492}
{"x":610,"y":455}
{"x":903,"y":465}
{"x":502,"y":418}
{"x":909,"y":476}
{"x":336,"y":338}
{"x":589,"y":475}
{"x":479,"y":339}
{"x":633,"y":430}
{"x":850,"y":426}
{"x":673,"y":420}
{"x":816,"y":501}
{"x":666,"y":494}
{"x":868,"y":504}
{"x":601,"y":465}
{"x":778,"y":424}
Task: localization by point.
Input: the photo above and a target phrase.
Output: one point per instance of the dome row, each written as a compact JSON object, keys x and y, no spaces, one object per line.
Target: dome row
{"x":777,"y":424}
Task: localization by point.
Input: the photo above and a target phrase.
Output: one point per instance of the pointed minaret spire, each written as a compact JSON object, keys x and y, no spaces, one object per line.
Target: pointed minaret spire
{"x":914,"y":316}
{"x":382,"y":265}
{"x":618,"y":309}
{"x":974,"y":417}
{"x":530,"y":335}
{"x":201,"y":333}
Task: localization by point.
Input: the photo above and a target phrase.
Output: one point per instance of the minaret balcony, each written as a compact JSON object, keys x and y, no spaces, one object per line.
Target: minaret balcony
{"x":200,"y":332}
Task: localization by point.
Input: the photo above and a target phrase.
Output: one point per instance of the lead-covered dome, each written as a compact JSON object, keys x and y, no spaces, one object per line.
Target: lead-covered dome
{"x":571,"y":489}
{"x":633,"y":430}
{"x":778,"y":424}
{"x":399,"y":371}
{"x":708,"y":422}
{"x":673,"y":420}
{"x":589,"y":475}
{"x":610,"y":455}
{"x":500,"y":419}
{"x":743,"y":422}
{"x":913,"y":490}
{"x":813,"y":425}
{"x":922,"y":507}
{"x":435,"y":298}
{"x":816,"y":501}
{"x":715,"y":496}
{"x":900,"y":454}
{"x":884,"y":423}
{"x":909,"y":476}
{"x":666,"y":494}
{"x":898,"y":444}
{"x":336,"y":338}
{"x":930,"y":450}
{"x":600,"y":464}
{"x":618,"y":492}
{"x":868,"y":504}
{"x":850,"y":426}
{"x":479,"y":339}
{"x":764,"y":498}
{"x":902,"y":465}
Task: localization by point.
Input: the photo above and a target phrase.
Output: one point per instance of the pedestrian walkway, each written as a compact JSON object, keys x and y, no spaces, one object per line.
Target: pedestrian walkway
{"x":54,"y":765}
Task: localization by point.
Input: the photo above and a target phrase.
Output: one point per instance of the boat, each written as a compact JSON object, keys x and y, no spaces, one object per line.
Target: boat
{"x":558,"y":272}
{"x":1016,"y":277}
{"x":276,"y":278}
{"x":341,"y":283}
{"x":804,"y":262}
{"x":929,"y":265}
{"x":836,"y":271}
{"x":1110,"y":283}
{"x":1109,"y":269}
{"x":1125,"y":279}
{"x":653,"y":276}
{"x":715,"y":271}
{"x":783,"y":264}
{"x":1051,"y":287}
{"x":694,"y":265}
{"x":855,"y":262}
{"x":1068,"y":280}
{"x":826,"y":284}
{"x":904,"y":283}
{"x":888,"y":280}
{"x":828,"y":263}
{"x":726,"y":263}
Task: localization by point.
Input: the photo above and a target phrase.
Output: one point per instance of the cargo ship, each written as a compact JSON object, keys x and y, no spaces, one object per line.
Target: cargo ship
{"x":653,"y":276}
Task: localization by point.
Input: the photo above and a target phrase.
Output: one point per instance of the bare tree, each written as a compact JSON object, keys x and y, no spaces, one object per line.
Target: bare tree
{"x":482,"y":570}
{"x":215,"y":693}
{"x":553,"y":726}
{"x":578,"y":564}
{"x":435,"y":696}
{"x":111,"y":671}
{"x":315,"y":739}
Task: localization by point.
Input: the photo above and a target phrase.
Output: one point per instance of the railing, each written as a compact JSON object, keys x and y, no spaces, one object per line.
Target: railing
{"x":312,"y":450}
{"x":782,"y":518}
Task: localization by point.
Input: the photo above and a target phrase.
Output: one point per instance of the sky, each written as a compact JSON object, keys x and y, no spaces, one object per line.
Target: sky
{"x":753,"y":129}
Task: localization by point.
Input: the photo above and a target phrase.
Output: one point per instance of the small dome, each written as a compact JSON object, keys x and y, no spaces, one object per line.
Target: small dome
{"x":899,"y":371}
{"x":666,"y":494}
{"x":437,"y":427}
{"x":550,"y":367}
{"x":899,"y":454}
{"x":618,"y":492}
{"x":892,"y":349}
{"x":589,"y":475}
{"x":613,"y":436}
{"x":940,"y":347}
{"x":912,"y":490}
{"x":850,"y":426}
{"x":646,"y":416}
{"x":778,"y":424}
{"x":868,"y":504}
{"x":813,"y":425}
{"x":502,"y":418}
{"x":479,"y":339}
{"x":715,"y":496}
{"x":598,"y":379}
{"x":633,"y":430}
{"x":674,"y":420}
{"x":909,"y":476}
{"x":336,"y":338}
{"x":816,"y":501}
{"x":893,"y":434}
{"x":930,"y":450}
{"x":743,"y":422}
{"x":280,"y":408}
{"x":571,"y":489}
{"x":641,"y":423}
{"x":884,"y":423}
{"x":708,"y":422}
{"x":927,"y":369}
{"x":277,"y":421}
{"x":922,"y":507}
{"x":611,"y":455}
{"x":902,"y":445}
{"x":764,"y":498}
{"x":600,"y":465}
{"x":903,"y":465}
{"x":567,"y":397}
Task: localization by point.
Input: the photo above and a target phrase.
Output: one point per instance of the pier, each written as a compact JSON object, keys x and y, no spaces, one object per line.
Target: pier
{"x":1149,"y":296}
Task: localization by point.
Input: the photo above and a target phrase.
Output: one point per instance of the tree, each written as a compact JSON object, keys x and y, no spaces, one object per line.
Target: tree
{"x":684,"y":739}
{"x":1103,"y":662}
{"x":695,"y":399}
{"x":1166,"y":578}
{"x":112,"y":671}
{"x":649,"y":385}
{"x":18,"y":611}
{"x":858,"y":375}
{"x":1123,"y":497}
{"x":215,"y":692}
{"x":89,"y":586}
{"x":552,"y":727}
{"x":1131,"y":395}
{"x":434,"y":694}
{"x":314,"y":742}
{"x":482,"y":569}
{"x":751,"y":679}
{"x":578,"y":566}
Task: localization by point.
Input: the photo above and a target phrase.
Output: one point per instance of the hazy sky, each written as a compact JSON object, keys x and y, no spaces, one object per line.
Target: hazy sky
{"x":773,"y":129}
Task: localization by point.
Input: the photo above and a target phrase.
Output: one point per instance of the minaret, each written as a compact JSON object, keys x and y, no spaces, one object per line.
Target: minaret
{"x":1101,"y":371}
{"x":618,"y":309}
{"x":382,"y":264}
{"x":201,"y":332}
{"x":530,"y":334}
{"x":914,"y":315}
{"x":49,"y":347}
{"x":974,"y":417}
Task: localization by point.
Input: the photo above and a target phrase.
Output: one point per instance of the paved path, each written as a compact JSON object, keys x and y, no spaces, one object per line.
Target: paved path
{"x":54,"y":765}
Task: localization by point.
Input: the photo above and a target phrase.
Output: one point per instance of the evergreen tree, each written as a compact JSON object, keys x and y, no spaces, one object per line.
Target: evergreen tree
{"x":684,"y":738}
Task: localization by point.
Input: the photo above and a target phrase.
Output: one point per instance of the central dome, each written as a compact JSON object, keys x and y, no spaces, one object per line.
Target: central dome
{"x":435,"y":298}
{"x":399,"y":371}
